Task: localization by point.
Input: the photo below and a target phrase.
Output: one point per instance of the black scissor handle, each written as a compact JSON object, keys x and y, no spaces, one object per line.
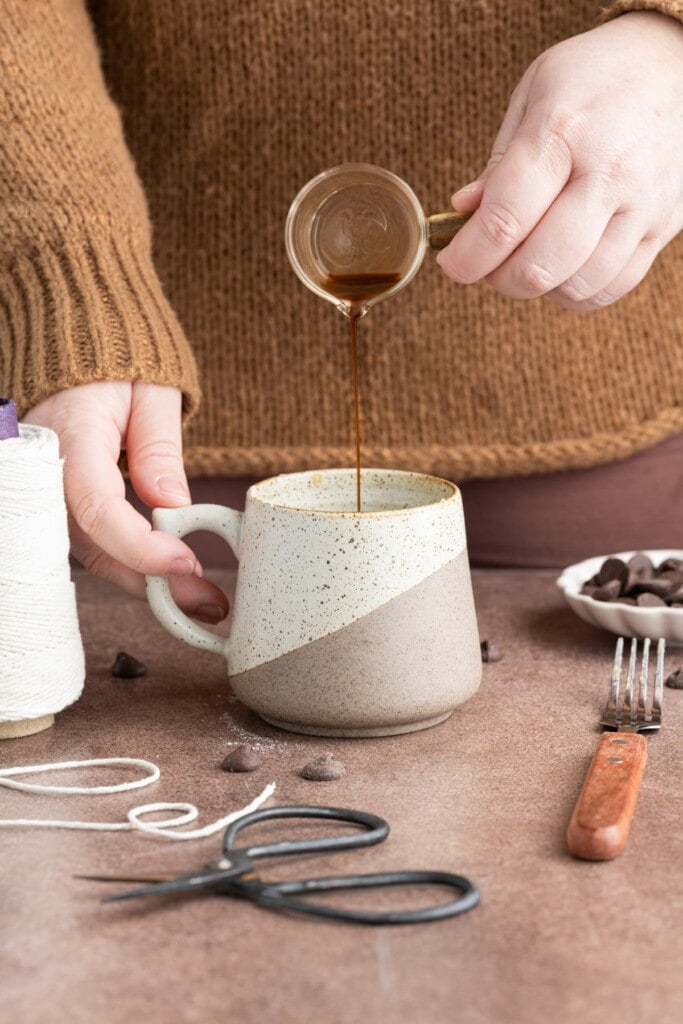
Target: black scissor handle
{"x":376,"y":830}
{"x":278,"y":896}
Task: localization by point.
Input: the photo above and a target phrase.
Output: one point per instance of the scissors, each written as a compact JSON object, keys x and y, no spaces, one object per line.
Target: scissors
{"x":234,"y":873}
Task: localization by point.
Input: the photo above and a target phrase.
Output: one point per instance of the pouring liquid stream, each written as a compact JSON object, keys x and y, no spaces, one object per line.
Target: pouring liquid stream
{"x":355,"y":290}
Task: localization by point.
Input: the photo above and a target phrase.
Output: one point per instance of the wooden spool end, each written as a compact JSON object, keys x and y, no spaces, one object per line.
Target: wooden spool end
{"x":26,"y":727}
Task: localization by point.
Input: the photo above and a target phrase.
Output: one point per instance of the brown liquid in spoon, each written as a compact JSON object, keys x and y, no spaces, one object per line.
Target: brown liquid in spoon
{"x":357,"y":289}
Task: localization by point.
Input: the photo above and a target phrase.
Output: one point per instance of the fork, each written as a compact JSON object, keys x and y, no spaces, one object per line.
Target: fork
{"x":601,"y":819}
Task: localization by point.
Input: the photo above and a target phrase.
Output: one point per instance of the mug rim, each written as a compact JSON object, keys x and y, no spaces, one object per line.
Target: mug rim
{"x":454,"y":491}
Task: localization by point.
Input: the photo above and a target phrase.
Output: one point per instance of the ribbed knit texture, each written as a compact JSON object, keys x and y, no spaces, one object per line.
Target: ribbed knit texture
{"x":79,"y":297}
{"x":228,"y":109}
{"x":674,"y":8}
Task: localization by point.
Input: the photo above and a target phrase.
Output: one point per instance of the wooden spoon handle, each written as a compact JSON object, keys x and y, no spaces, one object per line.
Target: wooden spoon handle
{"x":600,"y":823}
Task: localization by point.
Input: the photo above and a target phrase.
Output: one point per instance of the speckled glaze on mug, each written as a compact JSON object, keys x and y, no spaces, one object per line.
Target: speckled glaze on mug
{"x":344,"y":623}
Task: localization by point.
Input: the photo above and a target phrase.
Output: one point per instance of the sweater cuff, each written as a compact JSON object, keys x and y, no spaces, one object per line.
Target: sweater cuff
{"x":87,"y":308}
{"x":674,"y":8}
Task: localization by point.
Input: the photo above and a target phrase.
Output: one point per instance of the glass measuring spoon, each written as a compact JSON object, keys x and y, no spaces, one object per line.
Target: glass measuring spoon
{"x":356,"y":234}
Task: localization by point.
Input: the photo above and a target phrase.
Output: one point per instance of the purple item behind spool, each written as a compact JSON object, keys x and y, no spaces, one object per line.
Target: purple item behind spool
{"x":9,"y":426}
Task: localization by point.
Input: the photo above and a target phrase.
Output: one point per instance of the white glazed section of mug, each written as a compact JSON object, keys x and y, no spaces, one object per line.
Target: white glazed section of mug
{"x":311,"y":565}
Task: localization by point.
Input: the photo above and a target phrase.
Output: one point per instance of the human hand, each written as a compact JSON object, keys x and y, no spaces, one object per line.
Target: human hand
{"x":94,"y":423}
{"x":585,"y":182}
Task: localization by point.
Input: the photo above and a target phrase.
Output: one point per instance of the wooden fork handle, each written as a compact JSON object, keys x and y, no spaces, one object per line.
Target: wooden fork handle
{"x":600,"y":823}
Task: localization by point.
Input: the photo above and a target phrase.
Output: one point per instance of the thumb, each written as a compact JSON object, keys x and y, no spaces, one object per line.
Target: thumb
{"x":154,"y":446}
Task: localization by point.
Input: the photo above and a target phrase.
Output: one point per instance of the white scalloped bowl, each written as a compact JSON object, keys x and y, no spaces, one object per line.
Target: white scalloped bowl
{"x":622,"y":619}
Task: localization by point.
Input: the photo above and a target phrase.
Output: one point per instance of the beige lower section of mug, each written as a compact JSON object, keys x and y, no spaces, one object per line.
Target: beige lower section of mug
{"x":347,"y":731}
{"x":405,"y":666}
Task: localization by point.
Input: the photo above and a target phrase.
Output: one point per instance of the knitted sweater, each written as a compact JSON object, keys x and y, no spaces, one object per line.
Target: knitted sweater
{"x":227,"y":109}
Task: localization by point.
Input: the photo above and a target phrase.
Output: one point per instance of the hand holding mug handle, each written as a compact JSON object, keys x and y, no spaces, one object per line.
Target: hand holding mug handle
{"x":226,"y":523}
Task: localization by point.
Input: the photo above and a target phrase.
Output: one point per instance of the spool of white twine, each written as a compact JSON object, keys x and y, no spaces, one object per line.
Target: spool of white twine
{"x":41,"y":654}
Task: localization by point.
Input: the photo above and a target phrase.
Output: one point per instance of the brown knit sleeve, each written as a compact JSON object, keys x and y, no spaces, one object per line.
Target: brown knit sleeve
{"x":79,"y":297}
{"x":671,"y":7}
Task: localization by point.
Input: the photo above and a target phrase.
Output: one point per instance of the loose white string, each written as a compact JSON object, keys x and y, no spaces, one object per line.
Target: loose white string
{"x":119,"y":787}
{"x":134,"y":823}
{"x":42,"y":666}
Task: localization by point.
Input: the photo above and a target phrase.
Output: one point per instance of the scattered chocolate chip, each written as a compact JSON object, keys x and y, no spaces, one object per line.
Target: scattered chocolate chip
{"x":323,"y":769}
{"x":489,"y":651}
{"x":638,"y":582}
{"x":127,"y":667}
{"x":242,"y":759}
{"x":675,"y":680}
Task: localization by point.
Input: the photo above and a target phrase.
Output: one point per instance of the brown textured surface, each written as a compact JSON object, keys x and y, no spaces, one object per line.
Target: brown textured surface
{"x":488,"y":793}
{"x":228,"y":109}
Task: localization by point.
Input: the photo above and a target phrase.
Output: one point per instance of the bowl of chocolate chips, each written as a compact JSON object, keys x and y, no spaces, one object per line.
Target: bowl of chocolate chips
{"x":632,"y":593}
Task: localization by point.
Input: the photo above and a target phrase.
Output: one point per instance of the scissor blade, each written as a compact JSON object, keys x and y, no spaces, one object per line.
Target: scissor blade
{"x":175,"y":886}
{"x":126,"y":878}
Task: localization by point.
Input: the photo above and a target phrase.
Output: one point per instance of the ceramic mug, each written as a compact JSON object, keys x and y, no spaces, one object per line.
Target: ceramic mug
{"x":344,"y":623}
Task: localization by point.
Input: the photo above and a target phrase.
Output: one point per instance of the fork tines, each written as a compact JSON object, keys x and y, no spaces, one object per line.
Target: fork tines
{"x":632,"y":712}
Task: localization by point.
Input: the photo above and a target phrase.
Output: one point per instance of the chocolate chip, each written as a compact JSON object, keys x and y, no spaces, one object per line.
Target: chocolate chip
{"x":608,"y":591}
{"x":675,"y":680}
{"x":675,"y":595}
{"x":673,"y":575}
{"x":489,"y":651}
{"x":632,"y":581}
{"x":641,"y":563}
{"x":654,"y":586}
{"x":242,"y":759}
{"x":613,"y":569}
{"x":671,"y":563}
{"x":127,"y":667}
{"x":323,"y":769}
{"x":638,"y":582}
{"x":650,"y":601}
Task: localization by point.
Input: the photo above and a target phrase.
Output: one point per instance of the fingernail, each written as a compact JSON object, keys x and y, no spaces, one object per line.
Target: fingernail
{"x":466,"y":190}
{"x":181,"y":567}
{"x":211,"y":613}
{"x":173,"y":488}
{"x":471,"y":187}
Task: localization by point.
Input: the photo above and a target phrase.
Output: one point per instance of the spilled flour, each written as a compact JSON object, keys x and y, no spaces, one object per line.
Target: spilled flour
{"x":259,"y":743}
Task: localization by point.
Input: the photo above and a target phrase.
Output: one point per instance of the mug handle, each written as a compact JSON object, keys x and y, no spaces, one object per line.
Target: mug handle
{"x":226,"y":523}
